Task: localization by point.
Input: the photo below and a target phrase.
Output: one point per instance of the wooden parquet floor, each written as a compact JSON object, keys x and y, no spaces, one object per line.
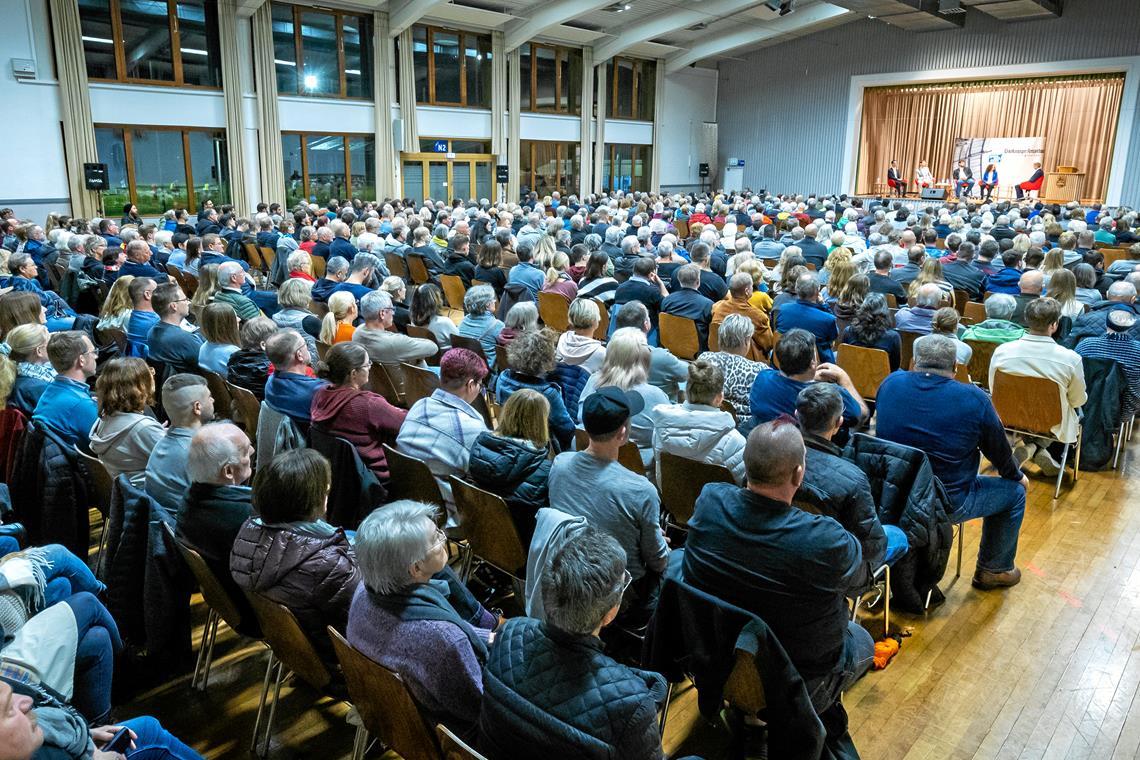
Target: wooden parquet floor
{"x":1048,"y":669}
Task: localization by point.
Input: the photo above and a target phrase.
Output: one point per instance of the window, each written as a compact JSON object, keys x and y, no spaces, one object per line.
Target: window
{"x":432,"y":145}
{"x":632,"y":89}
{"x":548,"y":166}
{"x":551,"y":79}
{"x":431,"y":174}
{"x":626,"y":167}
{"x":159,"y":168}
{"x":319,"y":168}
{"x":452,"y":68}
{"x":322,"y":53}
{"x":171,"y":42}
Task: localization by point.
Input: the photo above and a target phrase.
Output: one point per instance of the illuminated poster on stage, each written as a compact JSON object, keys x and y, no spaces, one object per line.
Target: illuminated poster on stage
{"x":1013,"y":156}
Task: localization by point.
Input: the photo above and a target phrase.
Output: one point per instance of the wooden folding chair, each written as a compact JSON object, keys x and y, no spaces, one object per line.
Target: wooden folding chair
{"x":411,"y":478}
{"x":974,"y":312}
{"x":291,"y":649}
{"x":603,"y":329}
{"x":979,"y":367}
{"x":629,"y":456}
{"x":867,"y":367}
{"x":223,"y":401}
{"x":387,"y":709}
{"x":268,"y":256}
{"x":380,"y":380}
{"x":681,"y":481}
{"x":489,"y":530}
{"x":396,"y":265}
{"x":679,"y":336}
{"x":1033,"y":406}
{"x":101,"y":484}
{"x":419,"y":383}
{"x":1113,"y":255}
{"x":554,"y":310}
{"x":473,"y":344}
{"x":906,"y":347}
{"x":319,"y":309}
{"x":453,"y":291}
{"x":248,"y":410}
{"x":418,"y":269}
{"x":319,"y":266}
{"x":961,"y":298}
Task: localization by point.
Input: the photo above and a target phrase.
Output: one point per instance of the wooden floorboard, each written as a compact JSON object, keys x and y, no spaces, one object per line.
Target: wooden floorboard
{"x":1046,"y":670}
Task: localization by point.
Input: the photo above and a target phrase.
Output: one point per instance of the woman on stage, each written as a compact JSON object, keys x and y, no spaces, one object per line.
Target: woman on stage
{"x":989,"y":181}
{"x":923,"y":177}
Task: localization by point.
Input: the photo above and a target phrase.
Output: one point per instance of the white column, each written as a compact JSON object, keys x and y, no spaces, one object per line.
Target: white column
{"x":407,"y":84}
{"x":585,"y":154}
{"x":499,"y":98}
{"x":513,"y":136}
{"x":382,"y":90}
{"x":658,"y":123}
{"x":235,"y":108}
{"x":74,"y":105}
{"x":272,"y":162}
{"x":600,"y":134}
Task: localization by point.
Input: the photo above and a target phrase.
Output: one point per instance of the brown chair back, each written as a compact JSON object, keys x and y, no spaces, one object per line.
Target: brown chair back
{"x":868,"y":367}
{"x":319,"y":266}
{"x":961,"y":298}
{"x":603,"y":322}
{"x":319,"y":309}
{"x":1113,"y":255}
{"x":488,"y":526}
{"x":381,"y":381}
{"x":974,"y":312}
{"x":411,"y":478}
{"x":417,"y":269}
{"x":681,"y":481}
{"x":980,"y":361}
{"x":554,"y":310}
{"x":906,"y":347}
{"x":100,"y":480}
{"x":248,"y":410}
{"x":223,"y":401}
{"x":682,"y":229}
{"x":386,"y":707}
{"x":419,"y":382}
{"x":396,"y":265}
{"x":1027,"y":404}
{"x":628,"y":455}
{"x":962,"y":373}
{"x":472,"y":344}
{"x":679,"y":336}
{"x":288,"y":641}
{"x":322,"y":349}
{"x":268,"y":256}
{"x":453,"y":290}
{"x":454,"y":748}
{"x":744,"y":688}
{"x":189,"y":284}
{"x":252,"y":256}
{"x":212,"y":589}
{"x":892,"y":301}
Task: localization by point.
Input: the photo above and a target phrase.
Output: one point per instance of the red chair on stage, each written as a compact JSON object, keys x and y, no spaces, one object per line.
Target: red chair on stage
{"x":1034,"y":184}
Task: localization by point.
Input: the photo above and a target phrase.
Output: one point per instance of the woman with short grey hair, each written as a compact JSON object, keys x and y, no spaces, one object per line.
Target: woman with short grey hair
{"x":412,"y":615}
{"x":293,"y":297}
{"x":734,"y":339}
{"x":480,"y":322}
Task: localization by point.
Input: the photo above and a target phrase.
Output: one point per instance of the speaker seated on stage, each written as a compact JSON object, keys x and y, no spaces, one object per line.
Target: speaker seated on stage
{"x":989,"y":181}
{"x":963,"y":179}
{"x":1036,"y":180}
{"x":922,"y":176}
{"x":895,"y":180}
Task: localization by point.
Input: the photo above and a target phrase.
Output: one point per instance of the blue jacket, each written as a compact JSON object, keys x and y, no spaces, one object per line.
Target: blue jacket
{"x":529,"y":275}
{"x":55,"y":306}
{"x":292,"y":394}
{"x":813,"y":317}
{"x":68,"y":410}
{"x":1004,"y":280}
{"x":136,"y":269}
{"x":174,"y":347}
{"x":341,"y":247}
{"x":138,"y":331}
{"x":774,"y":393}
{"x":561,"y":425}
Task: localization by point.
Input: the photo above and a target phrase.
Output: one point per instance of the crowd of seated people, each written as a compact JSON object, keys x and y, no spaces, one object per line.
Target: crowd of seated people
{"x":568,"y":430}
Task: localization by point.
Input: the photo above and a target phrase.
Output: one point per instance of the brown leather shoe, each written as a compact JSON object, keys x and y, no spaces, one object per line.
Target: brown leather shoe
{"x":986,"y":581}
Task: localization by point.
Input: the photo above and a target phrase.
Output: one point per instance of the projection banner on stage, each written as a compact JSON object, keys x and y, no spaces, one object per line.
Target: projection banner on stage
{"x":1013,"y":156}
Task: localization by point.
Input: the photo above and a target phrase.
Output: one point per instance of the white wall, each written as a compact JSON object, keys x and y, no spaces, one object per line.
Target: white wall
{"x":690,"y":95}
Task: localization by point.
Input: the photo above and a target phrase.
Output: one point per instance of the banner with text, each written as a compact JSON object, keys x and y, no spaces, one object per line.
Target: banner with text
{"x":1012,"y":156}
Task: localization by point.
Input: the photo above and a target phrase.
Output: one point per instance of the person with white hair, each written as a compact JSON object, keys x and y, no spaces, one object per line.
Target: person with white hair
{"x":231,"y":278}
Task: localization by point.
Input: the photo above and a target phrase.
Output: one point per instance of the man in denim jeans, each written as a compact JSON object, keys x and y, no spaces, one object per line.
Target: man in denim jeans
{"x":953,"y":422}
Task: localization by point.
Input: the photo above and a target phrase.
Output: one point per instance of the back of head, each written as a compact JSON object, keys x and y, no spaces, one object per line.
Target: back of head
{"x":740,"y":285}
{"x":774,"y":454}
{"x":293,"y":487}
{"x":584,"y":582}
{"x":65,"y":348}
{"x":1042,"y":313}
{"x":531,"y":353}
{"x":256,"y":331}
{"x":584,"y":313}
{"x":282,"y":347}
{"x":706,"y":382}
{"x":165,"y":296}
{"x":124,"y":385}
{"x":373,"y":303}
{"x":211,"y":449}
{"x":935,"y":353}
{"x":807,"y":287}
{"x":138,"y":289}
{"x":1031,"y":282}
{"x":341,"y":360}
{"x":644,"y":266}
{"x":389,"y":541}
{"x":459,"y":366}
{"x":180,"y":393}
{"x":928,"y":296}
{"x":688,"y":276}
{"x":631,"y":314}
{"x":945,"y":321}
{"x":818,"y":407}
{"x":337,"y":265}
{"x":796,"y":352}
{"x":1123,"y":292}
{"x":525,"y":416}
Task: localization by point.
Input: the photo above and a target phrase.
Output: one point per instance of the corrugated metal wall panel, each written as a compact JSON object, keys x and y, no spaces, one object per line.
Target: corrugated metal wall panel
{"x":784,"y":108}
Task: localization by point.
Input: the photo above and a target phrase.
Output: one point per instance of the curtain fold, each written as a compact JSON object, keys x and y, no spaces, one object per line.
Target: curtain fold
{"x":271,"y":160}
{"x":382,"y":78}
{"x":585,"y":152}
{"x":514,"y":97}
{"x":1077,"y":116}
{"x":407,"y":84}
{"x":75,"y":105}
{"x":498,"y":103}
{"x":600,"y":131}
{"x":658,"y":125}
{"x":235,"y":107}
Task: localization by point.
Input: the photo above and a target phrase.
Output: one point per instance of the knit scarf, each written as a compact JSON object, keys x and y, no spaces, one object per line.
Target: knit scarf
{"x":23,"y":577}
{"x":425,"y":601}
{"x":63,"y":727}
{"x":44,"y":371}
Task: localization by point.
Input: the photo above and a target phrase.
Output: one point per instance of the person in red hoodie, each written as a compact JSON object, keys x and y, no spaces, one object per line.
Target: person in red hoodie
{"x":346,"y":409}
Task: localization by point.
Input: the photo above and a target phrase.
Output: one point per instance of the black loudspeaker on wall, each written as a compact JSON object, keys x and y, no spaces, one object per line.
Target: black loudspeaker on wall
{"x":95,"y":176}
{"x":934,"y":193}
{"x":502,"y":173}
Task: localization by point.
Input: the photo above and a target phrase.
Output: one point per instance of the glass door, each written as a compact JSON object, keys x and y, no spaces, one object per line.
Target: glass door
{"x":437,"y":180}
{"x":461,"y":180}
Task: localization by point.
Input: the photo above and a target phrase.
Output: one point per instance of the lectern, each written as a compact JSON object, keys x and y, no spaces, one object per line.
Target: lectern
{"x":1063,"y":184}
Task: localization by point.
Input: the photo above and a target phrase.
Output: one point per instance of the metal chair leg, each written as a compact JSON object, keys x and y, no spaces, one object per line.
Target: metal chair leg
{"x":665,"y":708}
{"x":101,"y":557}
{"x":887,"y":603}
{"x":273,"y":708}
{"x":961,"y":538}
{"x":359,"y":743}
{"x":200,"y":665}
{"x":1061,"y":474}
{"x":1119,"y":444}
{"x":210,"y":654}
{"x":261,"y":703}
{"x":1077,"y":452}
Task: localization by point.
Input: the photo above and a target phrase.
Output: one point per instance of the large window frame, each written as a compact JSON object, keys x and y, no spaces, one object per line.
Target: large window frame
{"x":563,"y":152}
{"x":475,"y":163}
{"x":219,"y":196}
{"x":528,"y":59}
{"x":644,"y":74}
{"x":304,"y":156}
{"x":364,"y":25}
{"x":636,"y":154}
{"x":467,"y":40}
{"x":114,"y":10}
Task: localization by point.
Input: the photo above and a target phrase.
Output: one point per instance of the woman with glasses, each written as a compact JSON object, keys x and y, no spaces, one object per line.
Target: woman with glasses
{"x":413,"y":616}
{"x":348,"y":409}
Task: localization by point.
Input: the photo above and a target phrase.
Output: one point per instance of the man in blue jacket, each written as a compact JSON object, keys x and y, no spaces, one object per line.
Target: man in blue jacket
{"x":807,"y":313}
{"x":66,"y":407}
{"x":290,"y":388}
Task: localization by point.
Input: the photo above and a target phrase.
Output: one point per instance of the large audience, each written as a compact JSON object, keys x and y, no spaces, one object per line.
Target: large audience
{"x":523,"y":349}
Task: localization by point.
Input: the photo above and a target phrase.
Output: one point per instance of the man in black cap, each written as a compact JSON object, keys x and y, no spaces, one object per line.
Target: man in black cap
{"x":592,"y":484}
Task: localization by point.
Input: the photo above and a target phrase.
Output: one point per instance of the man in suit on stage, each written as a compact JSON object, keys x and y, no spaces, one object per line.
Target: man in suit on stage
{"x":1035,"y":181}
{"x":895,"y":180}
{"x":963,"y":179}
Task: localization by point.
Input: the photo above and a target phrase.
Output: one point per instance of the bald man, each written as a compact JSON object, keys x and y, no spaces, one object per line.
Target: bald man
{"x":750,"y":547}
{"x":1031,"y":283}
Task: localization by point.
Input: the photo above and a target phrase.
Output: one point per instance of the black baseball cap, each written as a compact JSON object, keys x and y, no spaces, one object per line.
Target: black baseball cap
{"x":608,"y":408}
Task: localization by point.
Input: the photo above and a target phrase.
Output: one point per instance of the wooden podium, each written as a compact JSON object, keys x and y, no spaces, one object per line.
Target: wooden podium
{"x":1063,"y":184}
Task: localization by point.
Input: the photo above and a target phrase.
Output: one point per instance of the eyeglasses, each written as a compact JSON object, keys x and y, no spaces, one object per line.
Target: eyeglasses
{"x":441,"y":539}
{"x":625,"y":581}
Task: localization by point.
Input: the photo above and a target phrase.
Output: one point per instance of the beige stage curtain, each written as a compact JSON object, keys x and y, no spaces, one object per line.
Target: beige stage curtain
{"x":1076,"y":115}
{"x":75,"y":105}
{"x":271,"y":166}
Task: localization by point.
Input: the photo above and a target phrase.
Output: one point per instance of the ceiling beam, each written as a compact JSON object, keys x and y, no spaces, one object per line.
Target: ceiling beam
{"x":749,"y":35}
{"x":669,"y":22}
{"x":551,"y":14}
{"x":403,"y":13}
